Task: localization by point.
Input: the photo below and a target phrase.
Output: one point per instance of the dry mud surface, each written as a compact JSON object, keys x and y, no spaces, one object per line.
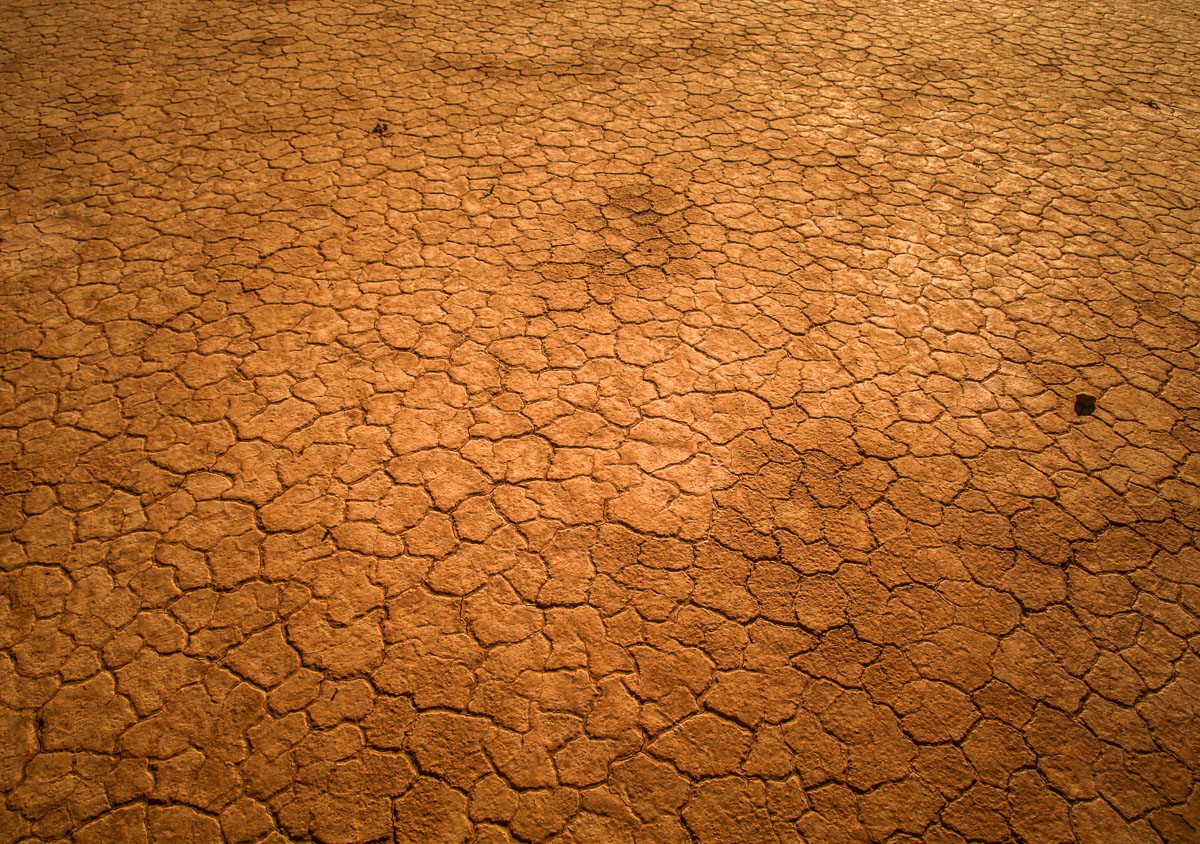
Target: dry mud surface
{"x":599,"y":421}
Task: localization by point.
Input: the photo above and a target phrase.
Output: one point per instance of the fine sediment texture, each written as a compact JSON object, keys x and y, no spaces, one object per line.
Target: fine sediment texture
{"x":599,"y":421}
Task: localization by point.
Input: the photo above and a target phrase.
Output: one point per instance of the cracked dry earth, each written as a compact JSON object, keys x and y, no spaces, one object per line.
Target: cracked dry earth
{"x":599,"y":421}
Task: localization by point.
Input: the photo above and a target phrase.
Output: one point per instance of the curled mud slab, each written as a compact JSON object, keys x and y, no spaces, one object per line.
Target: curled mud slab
{"x":599,"y":421}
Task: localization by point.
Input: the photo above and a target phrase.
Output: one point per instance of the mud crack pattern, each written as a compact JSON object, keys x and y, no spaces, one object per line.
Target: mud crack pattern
{"x":599,"y":421}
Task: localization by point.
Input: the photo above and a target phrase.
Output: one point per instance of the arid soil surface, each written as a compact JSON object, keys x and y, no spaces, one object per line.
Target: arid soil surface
{"x":599,"y":421}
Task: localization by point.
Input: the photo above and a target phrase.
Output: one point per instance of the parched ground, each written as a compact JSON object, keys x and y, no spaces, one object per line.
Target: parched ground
{"x":599,"y":421}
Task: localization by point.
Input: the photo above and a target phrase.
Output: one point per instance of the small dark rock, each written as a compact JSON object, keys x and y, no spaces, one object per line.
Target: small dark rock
{"x":1085,"y":405}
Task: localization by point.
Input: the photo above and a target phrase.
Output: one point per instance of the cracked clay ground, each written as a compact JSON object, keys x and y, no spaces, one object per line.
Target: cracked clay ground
{"x":599,"y":421}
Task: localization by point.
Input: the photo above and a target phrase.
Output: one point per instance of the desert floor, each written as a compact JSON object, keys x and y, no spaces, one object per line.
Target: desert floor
{"x":599,"y":421}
